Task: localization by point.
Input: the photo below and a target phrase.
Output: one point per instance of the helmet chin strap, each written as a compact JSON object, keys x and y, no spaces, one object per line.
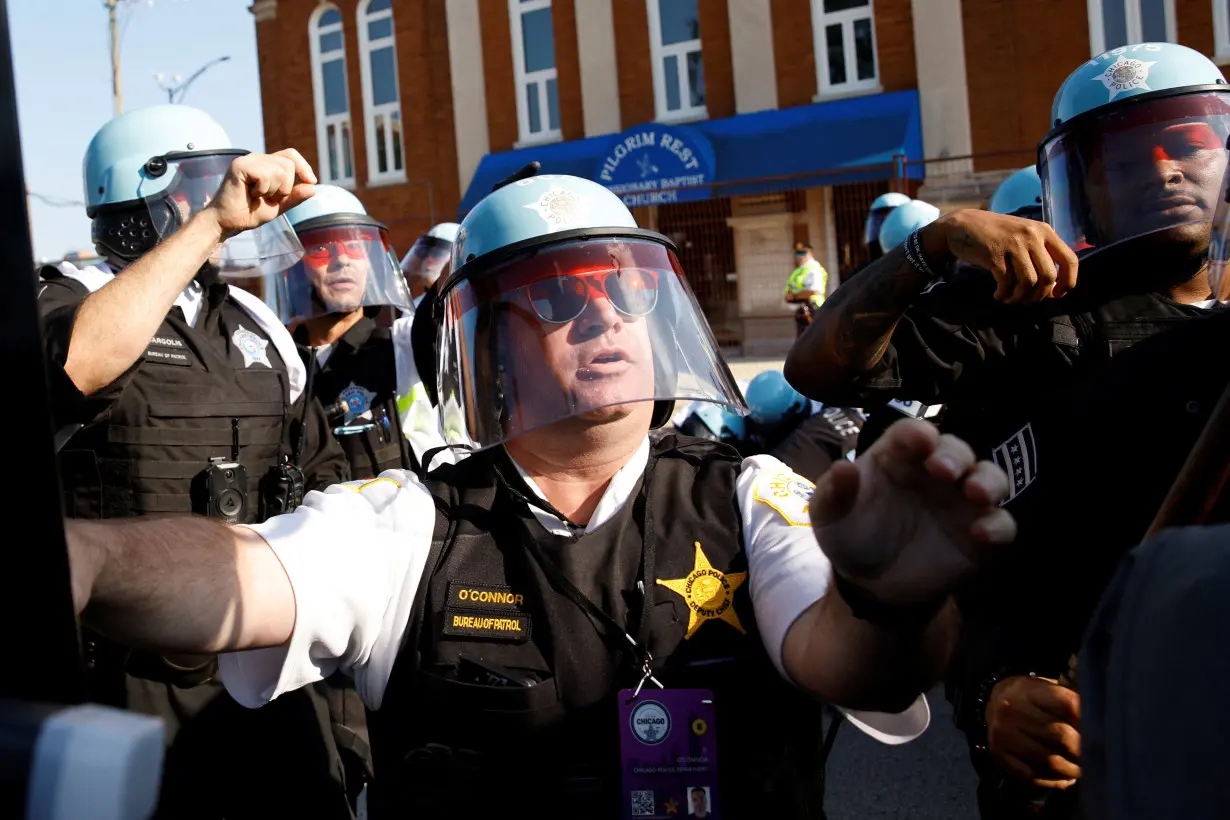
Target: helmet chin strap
{"x":208,"y":276}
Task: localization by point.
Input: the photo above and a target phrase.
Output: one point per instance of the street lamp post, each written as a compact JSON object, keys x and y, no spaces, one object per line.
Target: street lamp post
{"x":175,"y":93}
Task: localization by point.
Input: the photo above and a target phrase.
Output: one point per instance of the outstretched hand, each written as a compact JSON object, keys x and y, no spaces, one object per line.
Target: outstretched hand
{"x":914,"y":516}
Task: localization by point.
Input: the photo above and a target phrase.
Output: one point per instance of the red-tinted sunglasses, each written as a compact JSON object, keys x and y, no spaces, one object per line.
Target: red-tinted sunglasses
{"x":560,"y":299}
{"x":355,"y":247}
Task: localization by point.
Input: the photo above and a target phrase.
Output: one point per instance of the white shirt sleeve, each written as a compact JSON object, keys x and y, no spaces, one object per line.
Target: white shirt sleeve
{"x":354,"y":554}
{"x":788,"y":573}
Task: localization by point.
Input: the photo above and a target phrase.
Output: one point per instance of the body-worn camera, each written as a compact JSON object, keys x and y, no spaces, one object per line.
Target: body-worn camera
{"x":281,"y":490}
{"x":224,"y":493}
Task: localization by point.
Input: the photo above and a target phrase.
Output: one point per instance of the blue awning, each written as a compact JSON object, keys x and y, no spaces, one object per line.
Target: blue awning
{"x":830,"y":143}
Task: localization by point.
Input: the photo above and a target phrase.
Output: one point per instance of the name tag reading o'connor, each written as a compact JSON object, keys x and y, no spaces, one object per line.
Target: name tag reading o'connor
{"x":504,"y":626}
{"x":482,"y":596}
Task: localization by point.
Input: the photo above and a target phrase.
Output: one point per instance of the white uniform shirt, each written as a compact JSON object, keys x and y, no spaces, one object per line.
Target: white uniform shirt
{"x":354,"y":607}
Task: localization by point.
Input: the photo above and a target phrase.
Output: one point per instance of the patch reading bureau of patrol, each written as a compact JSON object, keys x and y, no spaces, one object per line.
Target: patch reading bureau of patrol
{"x":482,"y":596}
{"x":504,"y":626}
{"x":164,"y":352}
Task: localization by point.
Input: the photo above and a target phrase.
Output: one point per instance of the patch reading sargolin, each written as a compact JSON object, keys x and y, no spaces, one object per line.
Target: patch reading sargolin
{"x":482,"y":596}
{"x":787,"y":493}
{"x":708,"y":592}
{"x":1018,"y":457}
{"x":502,"y":626}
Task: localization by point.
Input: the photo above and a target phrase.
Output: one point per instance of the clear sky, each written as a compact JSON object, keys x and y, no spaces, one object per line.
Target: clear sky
{"x":62,"y":55}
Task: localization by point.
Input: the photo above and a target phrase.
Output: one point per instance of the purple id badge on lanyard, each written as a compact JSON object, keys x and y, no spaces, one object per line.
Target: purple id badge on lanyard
{"x":668,"y":746}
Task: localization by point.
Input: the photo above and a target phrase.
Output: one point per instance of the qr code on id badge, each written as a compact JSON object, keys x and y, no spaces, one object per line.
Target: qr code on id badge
{"x":642,"y":803}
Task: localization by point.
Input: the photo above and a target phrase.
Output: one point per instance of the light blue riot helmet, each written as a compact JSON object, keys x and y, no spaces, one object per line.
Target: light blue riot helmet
{"x":715,"y":422}
{"x":148,"y":171}
{"x":904,"y":220}
{"x":1137,"y":149}
{"x":347,"y":265}
{"x":1020,"y":194}
{"x":883,"y":205}
{"x":559,"y":307}
{"x":771,"y":400}
{"x":734,"y":427}
{"x":430,"y":255}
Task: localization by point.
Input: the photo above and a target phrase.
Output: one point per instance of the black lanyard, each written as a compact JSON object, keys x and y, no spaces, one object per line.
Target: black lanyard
{"x":615,"y":632}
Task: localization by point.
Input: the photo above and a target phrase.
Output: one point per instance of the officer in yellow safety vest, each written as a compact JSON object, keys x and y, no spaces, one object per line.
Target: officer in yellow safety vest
{"x":806,"y":286}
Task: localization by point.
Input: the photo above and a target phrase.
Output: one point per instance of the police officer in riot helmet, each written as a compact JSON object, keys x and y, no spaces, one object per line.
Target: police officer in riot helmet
{"x":1132,"y":171}
{"x":428,"y":259}
{"x":911,"y":215}
{"x":1020,"y":194}
{"x":332,"y":296}
{"x":804,"y":435}
{"x":716,"y":423}
{"x":576,"y":574}
{"x":883,"y":205}
{"x":176,"y":393}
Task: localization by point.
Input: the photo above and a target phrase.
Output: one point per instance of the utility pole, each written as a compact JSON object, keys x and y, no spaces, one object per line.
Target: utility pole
{"x":117,"y":91}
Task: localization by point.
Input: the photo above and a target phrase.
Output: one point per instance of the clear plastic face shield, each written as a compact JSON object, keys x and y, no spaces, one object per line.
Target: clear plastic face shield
{"x":426,"y":261}
{"x":1148,"y":168}
{"x":588,"y":329}
{"x":871,"y":228}
{"x":194,"y":181}
{"x":1219,"y":245}
{"x":344,"y":268}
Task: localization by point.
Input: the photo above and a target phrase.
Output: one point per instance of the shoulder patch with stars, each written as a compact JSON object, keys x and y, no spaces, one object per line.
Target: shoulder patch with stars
{"x":786,"y":492}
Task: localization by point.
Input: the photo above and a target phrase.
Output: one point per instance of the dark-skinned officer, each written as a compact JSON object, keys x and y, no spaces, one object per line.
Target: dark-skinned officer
{"x":1132,"y":171}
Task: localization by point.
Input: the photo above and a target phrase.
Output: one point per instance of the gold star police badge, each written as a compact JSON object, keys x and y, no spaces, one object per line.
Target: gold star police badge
{"x":709,"y":593}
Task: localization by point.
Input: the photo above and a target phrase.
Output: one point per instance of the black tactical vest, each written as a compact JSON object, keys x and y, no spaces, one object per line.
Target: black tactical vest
{"x":446,"y":747}
{"x":1000,"y":427}
{"x":361,"y":372}
{"x":192,"y":389}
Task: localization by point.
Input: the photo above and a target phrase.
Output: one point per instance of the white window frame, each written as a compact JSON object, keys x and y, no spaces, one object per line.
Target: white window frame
{"x":680,"y":52}
{"x":820,"y":20}
{"x":339,"y":122}
{"x":372,"y":112}
{"x":1097,"y":33}
{"x":523,"y":78}
{"x":1221,"y":31}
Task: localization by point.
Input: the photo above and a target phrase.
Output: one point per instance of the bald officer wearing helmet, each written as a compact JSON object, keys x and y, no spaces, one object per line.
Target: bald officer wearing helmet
{"x":176,"y":393}
{"x":579,"y":578}
{"x":969,"y":314}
